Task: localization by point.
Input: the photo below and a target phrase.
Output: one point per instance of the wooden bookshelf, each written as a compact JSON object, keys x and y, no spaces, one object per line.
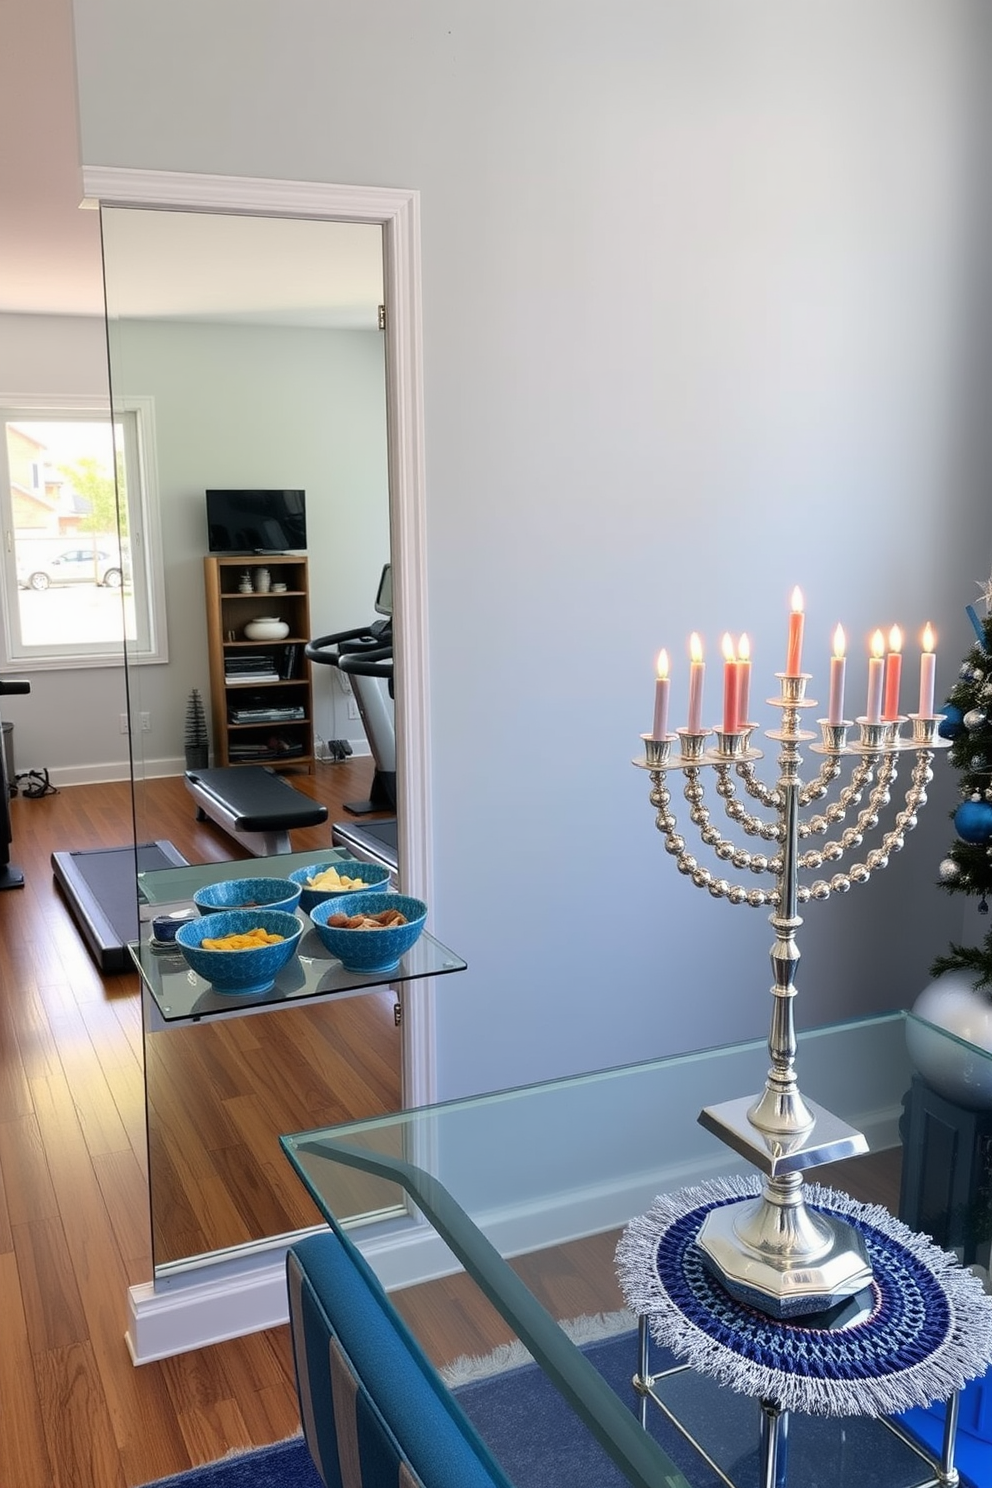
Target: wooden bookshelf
{"x":261,"y":692}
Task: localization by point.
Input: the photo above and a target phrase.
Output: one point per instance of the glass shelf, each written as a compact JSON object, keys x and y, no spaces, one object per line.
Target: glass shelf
{"x":182,"y":996}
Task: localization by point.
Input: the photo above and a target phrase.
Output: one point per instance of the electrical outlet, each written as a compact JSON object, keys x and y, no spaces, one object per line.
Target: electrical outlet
{"x":146,"y":723}
{"x":353,"y":712}
{"x":125,"y":726}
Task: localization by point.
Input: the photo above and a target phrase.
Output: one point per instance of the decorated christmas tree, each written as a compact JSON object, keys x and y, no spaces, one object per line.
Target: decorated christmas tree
{"x":967,"y":869}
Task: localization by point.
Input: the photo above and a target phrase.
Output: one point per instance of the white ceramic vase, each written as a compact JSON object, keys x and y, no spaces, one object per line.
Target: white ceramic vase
{"x":957,"y":1067}
{"x":266,"y":628}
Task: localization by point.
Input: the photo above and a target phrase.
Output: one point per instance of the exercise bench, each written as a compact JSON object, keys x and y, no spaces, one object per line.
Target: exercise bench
{"x":255,"y":805}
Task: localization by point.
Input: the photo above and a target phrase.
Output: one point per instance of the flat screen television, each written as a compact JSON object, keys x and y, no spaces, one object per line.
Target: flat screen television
{"x":256,"y":521}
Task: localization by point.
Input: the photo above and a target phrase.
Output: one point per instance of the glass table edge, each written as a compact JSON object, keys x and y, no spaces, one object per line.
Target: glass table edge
{"x":615,"y":1427}
{"x":589,"y":1077}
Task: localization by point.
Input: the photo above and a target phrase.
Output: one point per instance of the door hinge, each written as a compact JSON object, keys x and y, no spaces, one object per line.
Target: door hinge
{"x":382,"y":317}
{"x":397,"y":1013}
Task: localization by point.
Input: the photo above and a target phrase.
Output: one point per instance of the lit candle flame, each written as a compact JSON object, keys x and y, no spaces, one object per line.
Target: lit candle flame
{"x":743,"y":649}
{"x":895,"y":639}
{"x":695,"y":647}
{"x":662,"y":665}
{"x":878,"y":644}
{"x":728,"y":648}
{"x":929,"y":639}
{"x":839,"y":641}
{"x":797,"y":601}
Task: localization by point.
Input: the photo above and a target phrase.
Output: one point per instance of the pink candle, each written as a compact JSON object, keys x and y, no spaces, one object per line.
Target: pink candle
{"x":838,"y":664}
{"x":876,"y":671}
{"x":794,"y":657}
{"x":928,"y":668}
{"x":731,"y":688}
{"x":743,"y":681}
{"x":893,"y":674}
{"x":661,"y":687}
{"x":697,"y":671}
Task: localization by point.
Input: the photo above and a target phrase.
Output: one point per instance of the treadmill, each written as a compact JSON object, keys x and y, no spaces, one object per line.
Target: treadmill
{"x":365,"y":657}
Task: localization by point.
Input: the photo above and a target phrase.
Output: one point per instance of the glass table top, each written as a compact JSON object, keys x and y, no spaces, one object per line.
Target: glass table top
{"x":180,"y":995}
{"x":528,"y":1171}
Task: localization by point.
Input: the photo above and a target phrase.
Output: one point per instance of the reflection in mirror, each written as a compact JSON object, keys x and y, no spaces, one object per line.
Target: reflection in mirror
{"x":247,"y":350}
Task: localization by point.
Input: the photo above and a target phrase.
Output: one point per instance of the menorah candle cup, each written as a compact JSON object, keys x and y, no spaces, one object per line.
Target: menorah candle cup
{"x":692,"y":744}
{"x":835,"y":734}
{"x":793,"y":688}
{"x":732,"y":745}
{"x":925,"y":728}
{"x":657,"y":752}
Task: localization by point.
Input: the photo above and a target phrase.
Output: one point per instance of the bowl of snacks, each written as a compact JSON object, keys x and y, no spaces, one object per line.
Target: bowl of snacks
{"x":240,"y":951}
{"x":369,"y":932}
{"x":322,"y":881}
{"x":248,"y":893}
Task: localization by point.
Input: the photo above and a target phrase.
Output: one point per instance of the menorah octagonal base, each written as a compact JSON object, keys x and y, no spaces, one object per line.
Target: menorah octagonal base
{"x":816,"y":1265}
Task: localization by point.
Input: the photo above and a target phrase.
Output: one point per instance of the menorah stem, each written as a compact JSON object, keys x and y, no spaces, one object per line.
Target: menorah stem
{"x":780,"y":1113}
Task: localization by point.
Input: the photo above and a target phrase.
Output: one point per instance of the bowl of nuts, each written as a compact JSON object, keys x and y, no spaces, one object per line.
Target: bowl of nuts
{"x":369,"y":932}
{"x":240,"y":951}
{"x":322,"y":881}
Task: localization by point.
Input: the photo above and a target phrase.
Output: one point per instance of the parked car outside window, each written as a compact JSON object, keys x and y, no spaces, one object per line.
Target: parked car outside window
{"x":74,"y":566}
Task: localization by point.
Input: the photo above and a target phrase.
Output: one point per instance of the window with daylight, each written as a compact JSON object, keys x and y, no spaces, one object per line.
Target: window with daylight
{"x":81,"y":571}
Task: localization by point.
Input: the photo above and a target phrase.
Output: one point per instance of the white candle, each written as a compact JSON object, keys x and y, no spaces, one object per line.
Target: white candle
{"x":743,"y":681}
{"x":838,"y":664}
{"x":661,"y":687}
{"x":876,"y":672}
{"x":928,"y":668}
{"x":697,"y":671}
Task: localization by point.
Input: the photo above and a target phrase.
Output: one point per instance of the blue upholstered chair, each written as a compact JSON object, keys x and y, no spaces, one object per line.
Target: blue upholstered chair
{"x":375,"y":1413}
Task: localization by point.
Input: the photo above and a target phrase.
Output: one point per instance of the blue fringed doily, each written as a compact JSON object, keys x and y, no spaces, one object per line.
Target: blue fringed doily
{"x":929,"y":1331}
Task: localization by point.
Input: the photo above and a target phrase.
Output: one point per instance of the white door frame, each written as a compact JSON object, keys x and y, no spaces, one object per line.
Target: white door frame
{"x":398,"y":213}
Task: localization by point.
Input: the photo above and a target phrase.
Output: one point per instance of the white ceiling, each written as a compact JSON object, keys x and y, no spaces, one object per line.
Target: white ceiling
{"x":163,"y":263}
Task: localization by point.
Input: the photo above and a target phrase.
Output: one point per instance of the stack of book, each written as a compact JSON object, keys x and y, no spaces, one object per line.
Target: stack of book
{"x":249,"y":667}
{"x":271,"y":748}
{"x":266,"y":715}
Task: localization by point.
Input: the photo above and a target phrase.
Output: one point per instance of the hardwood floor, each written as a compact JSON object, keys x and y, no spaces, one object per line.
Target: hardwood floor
{"x":74,"y":1223}
{"x":74,"y":1226}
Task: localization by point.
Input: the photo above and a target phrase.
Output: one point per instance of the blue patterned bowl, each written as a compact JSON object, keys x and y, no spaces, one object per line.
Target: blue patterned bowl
{"x":373,"y":875}
{"x":369,"y":950}
{"x":240,"y":972}
{"x":248,"y":893}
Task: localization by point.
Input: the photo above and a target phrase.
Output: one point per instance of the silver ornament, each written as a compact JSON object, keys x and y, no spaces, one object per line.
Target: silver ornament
{"x":949,"y":871}
{"x":974,"y":719}
{"x":977,"y":674}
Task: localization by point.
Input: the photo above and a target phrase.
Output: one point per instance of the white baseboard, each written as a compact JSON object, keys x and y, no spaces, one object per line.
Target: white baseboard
{"x":107,"y":770}
{"x":246,"y":1292}
{"x":147,"y":769}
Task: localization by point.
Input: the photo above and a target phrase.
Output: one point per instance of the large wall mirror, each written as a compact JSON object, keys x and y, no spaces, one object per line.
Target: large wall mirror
{"x":247,"y":350}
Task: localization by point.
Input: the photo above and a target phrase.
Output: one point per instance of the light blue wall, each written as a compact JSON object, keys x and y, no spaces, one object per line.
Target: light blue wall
{"x":705,"y":317}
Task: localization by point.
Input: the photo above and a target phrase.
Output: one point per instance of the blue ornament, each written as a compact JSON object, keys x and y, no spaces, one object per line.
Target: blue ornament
{"x":973,"y":821}
{"x":952,"y":723}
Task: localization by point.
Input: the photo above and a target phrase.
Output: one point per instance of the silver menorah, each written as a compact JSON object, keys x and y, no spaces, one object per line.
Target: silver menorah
{"x":773,"y":1251}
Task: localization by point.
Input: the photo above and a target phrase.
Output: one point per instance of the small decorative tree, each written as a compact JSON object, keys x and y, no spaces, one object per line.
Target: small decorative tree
{"x":967,"y":869}
{"x":197,"y":751}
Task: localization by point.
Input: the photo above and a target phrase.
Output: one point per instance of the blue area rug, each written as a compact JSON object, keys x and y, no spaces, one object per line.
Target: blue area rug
{"x":542,"y":1444}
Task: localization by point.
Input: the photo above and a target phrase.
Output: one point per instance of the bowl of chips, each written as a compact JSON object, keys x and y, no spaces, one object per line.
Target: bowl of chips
{"x":369,"y":933}
{"x":240,"y":951}
{"x":248,"y":893}
{"x":322,"y":881}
